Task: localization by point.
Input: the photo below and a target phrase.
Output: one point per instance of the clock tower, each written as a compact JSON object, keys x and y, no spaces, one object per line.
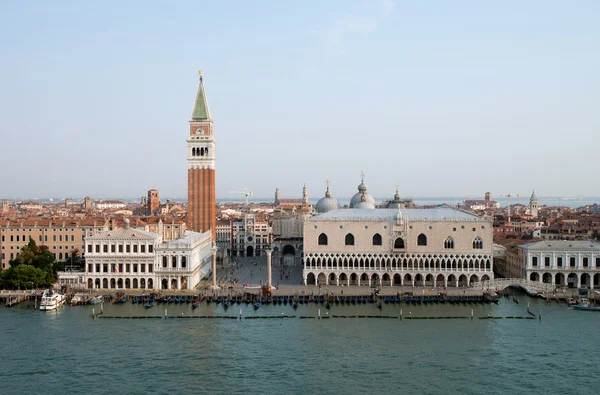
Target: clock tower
{"x":202,"y":202}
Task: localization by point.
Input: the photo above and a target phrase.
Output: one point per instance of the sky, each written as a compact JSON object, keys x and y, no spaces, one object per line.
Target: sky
{"x":444,"y":98}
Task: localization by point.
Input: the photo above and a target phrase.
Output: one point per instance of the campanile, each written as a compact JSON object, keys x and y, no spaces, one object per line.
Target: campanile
{"x":202,"y":202}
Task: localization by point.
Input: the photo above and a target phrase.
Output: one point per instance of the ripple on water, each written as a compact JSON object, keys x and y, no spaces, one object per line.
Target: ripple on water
{"x":298,"y":356}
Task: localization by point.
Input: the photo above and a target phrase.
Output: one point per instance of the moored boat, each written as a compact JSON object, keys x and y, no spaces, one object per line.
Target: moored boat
{"x":96,"y":299}
{"x":51,"y":300}
{"x":586,"y":307}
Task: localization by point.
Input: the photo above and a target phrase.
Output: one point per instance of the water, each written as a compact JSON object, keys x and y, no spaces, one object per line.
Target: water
{"x":67,"y":351}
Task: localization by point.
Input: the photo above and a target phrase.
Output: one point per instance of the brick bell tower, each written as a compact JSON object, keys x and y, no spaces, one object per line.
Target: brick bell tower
{"x":202,"y":202}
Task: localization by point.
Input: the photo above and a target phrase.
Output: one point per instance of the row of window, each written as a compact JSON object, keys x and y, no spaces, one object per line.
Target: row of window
{"x":127,"y":248}
{"x":17,"y":238}
{"x":165,"y":261}
{"x":200,"y":151}
{"x":399,"y":242}
{"x":120,"y":268}
{"x":559,"y":261}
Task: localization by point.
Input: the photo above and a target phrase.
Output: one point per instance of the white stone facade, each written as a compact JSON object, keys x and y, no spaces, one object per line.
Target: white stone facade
{"x":441,"y":247}
{"x":561,"y":263}
{"x":183,"y":263}
{"x":133,"y":259}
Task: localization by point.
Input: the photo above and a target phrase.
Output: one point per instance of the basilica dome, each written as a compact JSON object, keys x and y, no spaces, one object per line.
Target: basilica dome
{"x":362,"y":191}
{"x":364,"y":202}
{"x":327,"y":203}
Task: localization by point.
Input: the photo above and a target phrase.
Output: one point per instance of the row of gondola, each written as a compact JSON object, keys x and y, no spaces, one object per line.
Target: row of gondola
{"x":256,"y":301}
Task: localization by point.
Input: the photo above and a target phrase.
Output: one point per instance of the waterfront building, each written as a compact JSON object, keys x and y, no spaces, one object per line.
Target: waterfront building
{"x":182,"y":263}
{"x":65,"y":236}
{"x":560,"y":263}
{"x":202,"y":203}
{"x":441,"y":246}
{"x":127,"y":258}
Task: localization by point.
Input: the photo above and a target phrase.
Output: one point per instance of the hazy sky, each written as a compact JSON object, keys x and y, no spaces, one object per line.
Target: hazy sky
{"x":445,"y":98}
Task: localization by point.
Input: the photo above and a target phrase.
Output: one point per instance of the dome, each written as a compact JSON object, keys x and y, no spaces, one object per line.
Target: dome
{"x":362,"y":191}
{"x":327,"y":203}
{"x":364,"y":202}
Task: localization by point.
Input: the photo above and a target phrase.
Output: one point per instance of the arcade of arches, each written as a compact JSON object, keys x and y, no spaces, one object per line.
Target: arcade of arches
{"x":562,"y":279}
{"x":443,"y":270}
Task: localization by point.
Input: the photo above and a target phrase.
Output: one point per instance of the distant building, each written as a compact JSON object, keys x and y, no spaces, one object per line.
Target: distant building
{"x":533,"y":205}
{"x":153,"y":202}
{"x":109,"y":205}
{"x":479,"y":205}
{"x":5,"y":206}
{"x":292,"y":204}
{"x":87,"y":203}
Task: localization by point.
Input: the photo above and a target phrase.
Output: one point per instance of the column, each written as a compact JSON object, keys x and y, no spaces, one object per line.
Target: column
{"x":269,"y":253}
{"x":214,"y":267}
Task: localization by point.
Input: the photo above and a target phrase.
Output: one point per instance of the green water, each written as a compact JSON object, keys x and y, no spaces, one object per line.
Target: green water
{"x":69,"y":352}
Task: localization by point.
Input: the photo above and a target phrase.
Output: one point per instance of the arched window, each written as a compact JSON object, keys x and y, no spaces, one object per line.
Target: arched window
{"x":422,"y":240}
{"x":349,"y":239}
{"x":202,"y":151}
{"x":377,"y":239}
{"x":206,"y":151}
{"x":478,"y":243}
{"x":183,"y":261}
{"x":193,"y":151}
{"x":322,"y":239}
{"x":399,"y":243}
{"x":174,"y":261}
{"x":449,"y":243}
{"x":165,"y":261}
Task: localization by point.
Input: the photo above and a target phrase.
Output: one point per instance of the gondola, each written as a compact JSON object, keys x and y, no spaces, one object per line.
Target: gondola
{"x":295,"y":305}
{"x":379,"y":304}
{"x":149,"y":304}
{"x":134,"y":300}
{"x":195,"y":305}
{"x":256,"y":305}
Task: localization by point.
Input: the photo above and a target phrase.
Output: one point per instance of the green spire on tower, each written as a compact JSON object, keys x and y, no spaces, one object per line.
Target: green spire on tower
{"x":201,"y":110}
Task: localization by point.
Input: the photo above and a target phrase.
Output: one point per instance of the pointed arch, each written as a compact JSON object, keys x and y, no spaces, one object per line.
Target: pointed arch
{"x":478,"y":243}
{"x":449,"y":243}
{"x":422,"y":240}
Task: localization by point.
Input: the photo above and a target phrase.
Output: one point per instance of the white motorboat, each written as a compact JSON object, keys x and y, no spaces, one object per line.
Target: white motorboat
{"x":51,"y":300}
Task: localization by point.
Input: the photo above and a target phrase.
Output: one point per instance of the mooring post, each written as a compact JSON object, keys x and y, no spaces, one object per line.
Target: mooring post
{"x":540,"y":314}
{"x":319,"y":313}
{"x":240,"y":314}
{"x":93,"y":313}
{"x":400,"y":313}
{"x":102,"y":307}
{"x":471,"y":313}
{"x":165,"y":314}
